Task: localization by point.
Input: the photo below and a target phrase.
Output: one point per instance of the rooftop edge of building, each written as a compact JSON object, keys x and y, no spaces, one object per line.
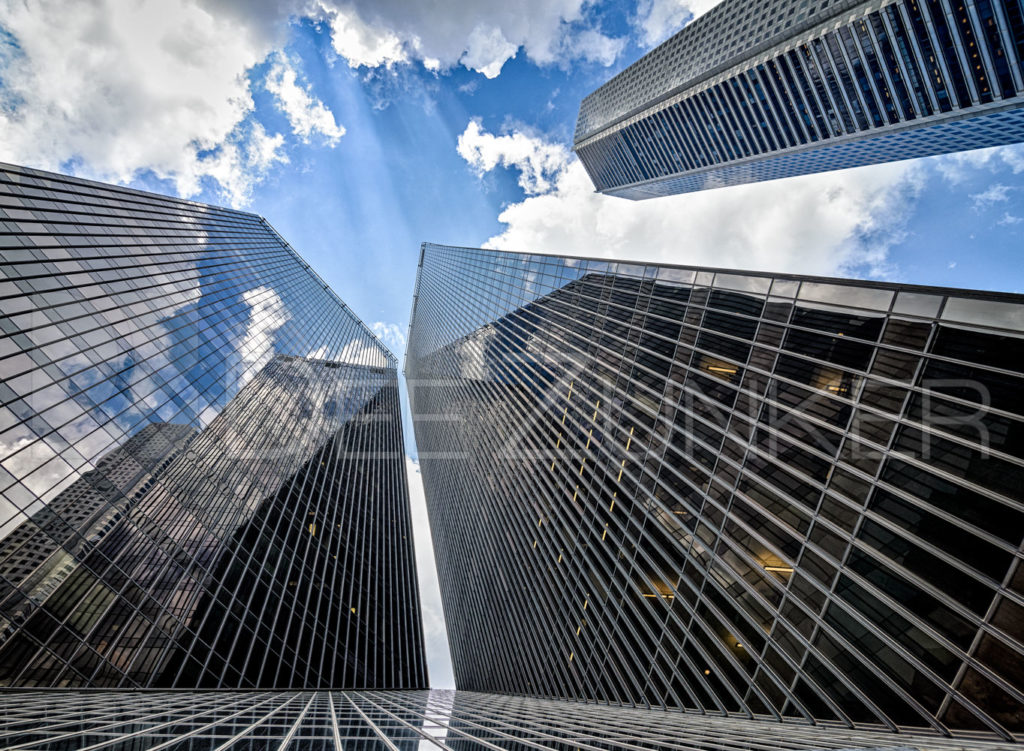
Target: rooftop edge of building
{"x":6,"y":168}
{"x":1008,"y":297}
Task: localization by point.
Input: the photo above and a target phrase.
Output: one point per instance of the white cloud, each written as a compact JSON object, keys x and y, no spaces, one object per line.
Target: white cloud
{"x":593,"y":46}
{"x":306,"y":114}
{"x":435,"y":635}
{"x":480,"y":35}
{"x":114,"y":88}
{"x":1009,"y":220}
{"x":995,"y":194}
{"x":958,"y":167}
{"x":264,"y":150}
{"x":365,"y":44}
{"x":487,"y":50}
{"x":392,"y":336}
{"x":538,"y":161}
{"x":657,"y":20}
{"x":109,"y":90}
{"x":838,"y":222}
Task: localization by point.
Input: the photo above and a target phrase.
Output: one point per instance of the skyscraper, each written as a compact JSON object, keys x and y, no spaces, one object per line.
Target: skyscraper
{"x":761,"y":495}
{"x":761,"y":90}
{"x":201,"y":461}
{"x":405,"y":720}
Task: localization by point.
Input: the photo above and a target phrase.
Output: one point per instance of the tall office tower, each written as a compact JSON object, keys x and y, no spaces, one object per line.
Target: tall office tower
{"x":202,"y":478}
{"x":761,"y":90}
{"x":767,"y":496}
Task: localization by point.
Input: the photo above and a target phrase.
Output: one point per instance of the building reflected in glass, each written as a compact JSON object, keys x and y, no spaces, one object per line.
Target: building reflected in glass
{"x":201,"y":462}
{"x":766,"y":496}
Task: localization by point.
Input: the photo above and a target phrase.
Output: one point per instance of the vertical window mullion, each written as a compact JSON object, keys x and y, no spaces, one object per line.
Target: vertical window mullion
{"x":645,"y":148}
{"x":960,"y":50}
{"x":899,"y":84}
{"x":872,"y":108}
{"x":729,"y":120}
{"x":793,"y":76}
{"x":713,"y":130}
{"x":742,"y":115}
{"x":672,"y":114}
{"x":819,"y":77}
{"x":771,"y":135}
{"x":629,"y":157}
{"x":676,"y":163}
{"x":661,"y":140}
{"x":853,"y":102}
{"x":771,"y":101}
{"x":714,"y":155}
{"x":648,"y":147}
{"x":785,"y":103}
{"x":981,"y":41}
{"x":868,"y":54}
{"x":939,"y":53}
{"x":1010,"y":50}
{"x":701,"y":153}
{"x":994,"y":47}
{"x":909,"y":62}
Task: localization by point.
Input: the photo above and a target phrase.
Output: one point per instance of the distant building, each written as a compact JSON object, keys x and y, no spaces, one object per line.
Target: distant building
{"x":766,"y":495}
{"x":41,"y":553}
{"x":761,"y":90}
{"x":203,"y":477}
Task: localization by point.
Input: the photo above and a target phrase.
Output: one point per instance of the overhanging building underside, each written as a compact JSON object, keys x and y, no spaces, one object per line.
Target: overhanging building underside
{"x":758,"y":91}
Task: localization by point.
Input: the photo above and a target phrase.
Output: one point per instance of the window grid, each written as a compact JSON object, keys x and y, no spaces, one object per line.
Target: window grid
{"x":677,"y":462}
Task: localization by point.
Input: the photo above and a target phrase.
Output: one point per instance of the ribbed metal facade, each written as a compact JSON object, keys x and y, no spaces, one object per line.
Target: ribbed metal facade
{"x":202,"y":476}
{"x":758,"y":91}
{"x":405,"y":720}
{"x":742,"y":494}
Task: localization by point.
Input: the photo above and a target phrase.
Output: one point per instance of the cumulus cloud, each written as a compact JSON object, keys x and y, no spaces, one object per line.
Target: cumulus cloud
{"x":958,"y":167}
{"x":839,"y":222}
{"x":481,"y":36}
{"x":306,"y":114}
{"x":110,"y":88}
{"x":439,"y":662}
{"x":539,"y":162}
{"x":657,"y":20}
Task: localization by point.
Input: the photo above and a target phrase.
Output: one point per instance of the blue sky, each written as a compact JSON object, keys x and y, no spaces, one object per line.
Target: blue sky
{"x":360,"y":129}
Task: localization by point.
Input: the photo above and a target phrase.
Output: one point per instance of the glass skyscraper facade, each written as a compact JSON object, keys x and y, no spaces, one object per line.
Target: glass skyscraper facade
{"x":402,"y":720}
{"x":202,"y":475}
{"x":754,"y":495}
{"x":761,"y":90}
